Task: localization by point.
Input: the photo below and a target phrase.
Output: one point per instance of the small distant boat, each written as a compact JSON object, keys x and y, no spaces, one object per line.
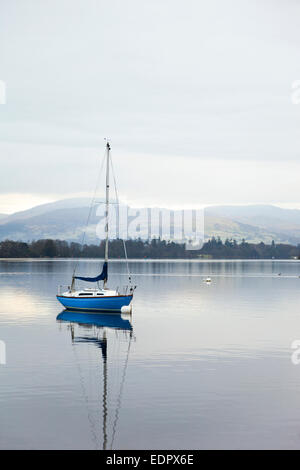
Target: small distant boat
{"x":97,"y":299}
{"x":207,"y":280}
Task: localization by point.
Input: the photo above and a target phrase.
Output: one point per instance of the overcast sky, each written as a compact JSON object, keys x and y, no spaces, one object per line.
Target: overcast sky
{"x":195,"y":96}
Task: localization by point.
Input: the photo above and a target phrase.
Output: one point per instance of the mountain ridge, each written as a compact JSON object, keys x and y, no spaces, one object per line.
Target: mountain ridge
{"x":65,"y":219}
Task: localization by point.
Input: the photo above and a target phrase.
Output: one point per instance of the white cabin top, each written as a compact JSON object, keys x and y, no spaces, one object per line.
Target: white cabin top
{"x":91,"y":293}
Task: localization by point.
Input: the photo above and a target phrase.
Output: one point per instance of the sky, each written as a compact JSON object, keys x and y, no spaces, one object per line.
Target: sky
{"x":199,"y":100}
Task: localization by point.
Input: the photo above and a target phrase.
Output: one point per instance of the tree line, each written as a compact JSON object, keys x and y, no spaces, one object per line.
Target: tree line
{"x":154,"y":249}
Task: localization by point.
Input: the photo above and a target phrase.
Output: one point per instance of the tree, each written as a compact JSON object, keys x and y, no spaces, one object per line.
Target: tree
{"x":49,"y":249}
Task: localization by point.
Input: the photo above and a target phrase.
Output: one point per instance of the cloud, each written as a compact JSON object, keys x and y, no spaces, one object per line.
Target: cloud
{"x":198,"y":88}
{"x":144,"y":179}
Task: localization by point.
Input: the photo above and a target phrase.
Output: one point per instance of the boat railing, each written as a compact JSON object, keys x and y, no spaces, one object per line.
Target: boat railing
{"x":126,"y":289}
{"x":63,"y":288}
{"x":129,"y":289}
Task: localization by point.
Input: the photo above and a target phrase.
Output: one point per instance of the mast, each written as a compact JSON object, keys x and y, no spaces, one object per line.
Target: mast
{"x":106,"y":205}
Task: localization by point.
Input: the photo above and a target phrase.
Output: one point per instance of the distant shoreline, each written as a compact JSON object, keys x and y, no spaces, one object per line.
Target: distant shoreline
{"x":155,"y":249}
{"x":157,"y":260}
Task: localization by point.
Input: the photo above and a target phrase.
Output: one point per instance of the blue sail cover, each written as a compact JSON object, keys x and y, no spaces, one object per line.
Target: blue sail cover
{"x":101,"y":277}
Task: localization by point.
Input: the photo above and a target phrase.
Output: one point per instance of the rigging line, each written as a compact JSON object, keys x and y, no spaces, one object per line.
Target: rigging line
{"x":91,"y":207}
{"x":118,"y":203}
{"x":125,"y":251}
{"x":119,"y":400}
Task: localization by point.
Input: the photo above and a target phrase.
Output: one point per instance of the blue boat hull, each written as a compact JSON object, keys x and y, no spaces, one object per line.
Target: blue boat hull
{"x":95,"y":304}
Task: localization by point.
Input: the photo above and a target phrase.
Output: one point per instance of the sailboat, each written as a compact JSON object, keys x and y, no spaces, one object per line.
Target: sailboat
{"x":99,"y":299}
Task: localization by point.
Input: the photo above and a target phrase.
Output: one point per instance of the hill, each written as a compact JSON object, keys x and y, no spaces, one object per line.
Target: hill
{"x":66,"y":220}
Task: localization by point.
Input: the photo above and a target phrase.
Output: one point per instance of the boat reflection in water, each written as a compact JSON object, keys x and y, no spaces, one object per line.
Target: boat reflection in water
{"x":96,"y":329}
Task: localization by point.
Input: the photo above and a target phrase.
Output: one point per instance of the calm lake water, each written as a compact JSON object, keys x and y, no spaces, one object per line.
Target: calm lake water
{"x":195,"y":366}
